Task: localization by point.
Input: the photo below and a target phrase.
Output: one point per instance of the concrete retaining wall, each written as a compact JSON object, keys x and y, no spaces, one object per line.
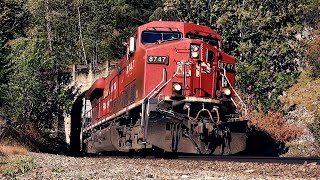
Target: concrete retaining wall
{"x":83,"y":80}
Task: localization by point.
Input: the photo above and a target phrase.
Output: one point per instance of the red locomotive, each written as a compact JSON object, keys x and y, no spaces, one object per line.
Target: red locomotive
{"x":173,"y":91}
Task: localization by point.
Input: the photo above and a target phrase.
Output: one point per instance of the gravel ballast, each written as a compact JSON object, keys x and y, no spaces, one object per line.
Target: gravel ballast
{"x":48,"y":166}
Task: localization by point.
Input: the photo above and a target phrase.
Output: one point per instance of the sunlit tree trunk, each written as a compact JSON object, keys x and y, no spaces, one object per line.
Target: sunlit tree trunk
{"x":49,"y":32}
{"x":80,"y":34}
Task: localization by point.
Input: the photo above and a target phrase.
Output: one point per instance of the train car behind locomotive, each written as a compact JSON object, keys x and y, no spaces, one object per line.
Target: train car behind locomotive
{"x":173,"y":90}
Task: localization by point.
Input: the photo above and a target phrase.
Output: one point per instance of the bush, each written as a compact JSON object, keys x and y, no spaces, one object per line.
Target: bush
{"x":274,"y":124}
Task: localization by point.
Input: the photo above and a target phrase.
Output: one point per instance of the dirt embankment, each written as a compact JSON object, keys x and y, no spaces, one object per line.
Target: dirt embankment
{"x":13,"y":141}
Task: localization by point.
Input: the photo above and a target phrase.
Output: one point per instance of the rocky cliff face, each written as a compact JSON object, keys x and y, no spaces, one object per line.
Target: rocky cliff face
{"x":302,"y":102}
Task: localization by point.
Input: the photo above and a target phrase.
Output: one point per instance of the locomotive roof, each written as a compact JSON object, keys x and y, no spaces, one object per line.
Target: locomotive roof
{"x":179,"y":26}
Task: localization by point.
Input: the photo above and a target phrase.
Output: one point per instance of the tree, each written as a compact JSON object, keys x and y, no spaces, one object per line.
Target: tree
{"x":89,"y":31}
{"x":33,"y":99}
{"x":13,"y":20}
{"x":56,"y":21}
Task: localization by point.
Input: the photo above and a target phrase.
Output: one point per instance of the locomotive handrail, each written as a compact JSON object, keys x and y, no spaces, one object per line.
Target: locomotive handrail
{"x":143,"y":101}
{"x":238,"y":96}
{"x":156,"y":91}
{"x":151,"y":94}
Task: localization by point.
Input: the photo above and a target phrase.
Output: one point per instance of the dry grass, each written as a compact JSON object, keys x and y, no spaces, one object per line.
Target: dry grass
{"x":275,"y":125}
{"x":7,"y":150}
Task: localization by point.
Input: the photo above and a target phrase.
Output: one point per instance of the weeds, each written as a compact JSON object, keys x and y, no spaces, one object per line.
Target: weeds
{"x":10,"y":173}
{"x":57,"y":170}
{"x":17,"y":165}
{"x":25,"y":164}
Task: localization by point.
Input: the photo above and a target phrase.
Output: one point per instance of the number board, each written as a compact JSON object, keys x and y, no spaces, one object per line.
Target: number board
{"x":158,"y":60}
{"x":227,"y":66}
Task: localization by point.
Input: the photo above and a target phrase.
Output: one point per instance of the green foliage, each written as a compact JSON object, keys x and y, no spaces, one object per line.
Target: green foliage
{"x":62,"y":20}
{"x":13,"y":20}
{"x":4,"y":78}
{"x":38,"y":86}
{"x":104,"y":25}
{"x":124,"y":17}
{"x":11,"y":173}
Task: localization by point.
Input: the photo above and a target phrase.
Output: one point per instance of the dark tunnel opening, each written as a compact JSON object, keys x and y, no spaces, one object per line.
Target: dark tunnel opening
{"x":76,"y":126}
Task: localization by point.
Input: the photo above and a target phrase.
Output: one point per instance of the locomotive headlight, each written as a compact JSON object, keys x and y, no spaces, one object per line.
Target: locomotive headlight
{"x":194,"y":50}
{"x":194,"y":54}
{"x":177,"y":87}
{"x":226,"y":92}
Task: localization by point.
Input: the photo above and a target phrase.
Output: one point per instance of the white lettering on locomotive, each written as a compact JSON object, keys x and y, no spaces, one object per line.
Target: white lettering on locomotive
{"x":227,"y":66}
{"x":130,"y":67}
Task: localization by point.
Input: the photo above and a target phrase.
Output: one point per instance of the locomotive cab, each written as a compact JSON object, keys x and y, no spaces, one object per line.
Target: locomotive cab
{"x":173,"y":90}
{"x":193,"y":54}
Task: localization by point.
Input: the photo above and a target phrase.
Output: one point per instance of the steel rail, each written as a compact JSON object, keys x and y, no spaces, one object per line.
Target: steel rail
{"x":255,"y":159}
{"x":208,"y":158}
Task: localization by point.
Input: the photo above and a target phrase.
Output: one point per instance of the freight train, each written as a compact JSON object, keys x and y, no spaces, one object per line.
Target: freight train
{"x":173,"y":91}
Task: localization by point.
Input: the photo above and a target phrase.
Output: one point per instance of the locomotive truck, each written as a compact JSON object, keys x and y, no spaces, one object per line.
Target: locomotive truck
{"x":173,"y":91}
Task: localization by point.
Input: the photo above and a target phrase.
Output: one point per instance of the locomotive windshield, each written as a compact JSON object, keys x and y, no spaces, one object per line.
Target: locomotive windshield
{"x":155,"y":36}
{"x":210,"y":40}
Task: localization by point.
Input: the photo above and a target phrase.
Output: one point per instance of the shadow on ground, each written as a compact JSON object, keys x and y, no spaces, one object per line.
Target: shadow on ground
{"x":262,"y":144}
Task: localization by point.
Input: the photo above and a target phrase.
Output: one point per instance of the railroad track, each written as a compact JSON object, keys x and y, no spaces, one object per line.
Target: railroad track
{"x":255,"y":159}
{"x":252,"y":159}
